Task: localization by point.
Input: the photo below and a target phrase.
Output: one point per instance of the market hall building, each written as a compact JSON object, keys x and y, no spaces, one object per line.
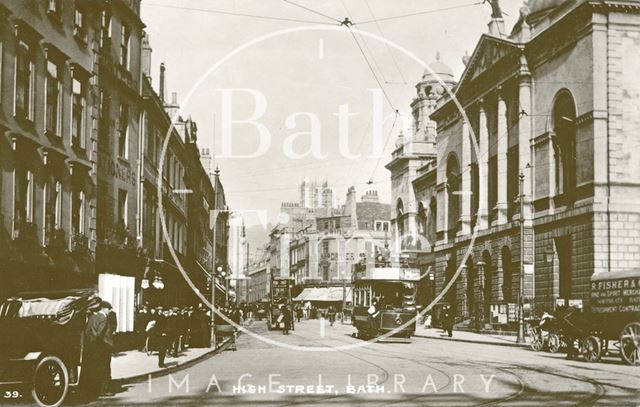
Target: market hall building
{"x":552,"y":108}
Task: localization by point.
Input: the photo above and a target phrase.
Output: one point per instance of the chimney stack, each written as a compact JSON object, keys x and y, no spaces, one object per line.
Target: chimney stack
{"x":161,"y":90}
{"x":146,"y":56}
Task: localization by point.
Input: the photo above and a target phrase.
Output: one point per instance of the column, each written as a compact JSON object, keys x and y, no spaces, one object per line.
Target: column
{"x":483,"y":169}
{"x":503,"y":145}
{"x":525,"y":126}
{"x":465,"y":190}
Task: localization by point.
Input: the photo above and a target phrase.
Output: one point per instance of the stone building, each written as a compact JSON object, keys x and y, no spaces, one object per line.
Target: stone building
{"x":48,"y":145}
{"x":549,"y":116}
{"x":413,"y":181}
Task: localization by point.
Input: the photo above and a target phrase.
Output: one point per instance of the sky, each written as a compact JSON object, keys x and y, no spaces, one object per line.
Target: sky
{"x":294,"y":84}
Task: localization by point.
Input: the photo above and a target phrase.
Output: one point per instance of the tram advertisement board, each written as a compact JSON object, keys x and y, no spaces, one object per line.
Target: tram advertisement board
{"x":616,"y":295}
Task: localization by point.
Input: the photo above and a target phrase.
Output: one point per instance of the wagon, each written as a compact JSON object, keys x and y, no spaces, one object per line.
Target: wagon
{"x":41,"y":342}
{"x":612,"y":321}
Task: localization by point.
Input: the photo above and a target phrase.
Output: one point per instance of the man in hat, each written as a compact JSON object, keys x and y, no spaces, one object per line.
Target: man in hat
{"x":109,"y":343}
{"x":93,"y":368}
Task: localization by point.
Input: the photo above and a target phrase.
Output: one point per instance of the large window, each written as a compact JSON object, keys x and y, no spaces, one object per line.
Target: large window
{"x":453,"y":194}
{"x":123,"y":132}
{"x":105,"y":29}
{"x":24,"y":198}
{"x":52,"y":208}
{"x":78,"y":114}
{"x":125,"y":57}
{"x":79,"y":29}
{"x":564,"y":121}
{"x":53,"y":96}
{"x":24,"y":82}
{"x":78,"y":212}
{"x":122,"y":207}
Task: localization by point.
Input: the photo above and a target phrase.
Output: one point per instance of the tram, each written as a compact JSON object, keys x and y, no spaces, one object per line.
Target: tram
{"x":392,"y":291}
{"x":279,"y":297}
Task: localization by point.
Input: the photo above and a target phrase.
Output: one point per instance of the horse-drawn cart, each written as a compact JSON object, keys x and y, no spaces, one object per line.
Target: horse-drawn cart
{"x":41,"y":342}
{"x":611,"y":323}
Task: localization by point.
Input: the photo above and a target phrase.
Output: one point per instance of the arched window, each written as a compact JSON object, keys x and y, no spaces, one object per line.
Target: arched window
{"x":421,"y":220}
{"x":488,"y":279}
{"x":453,"y":194}
{"x":507,"y":273}
{"x":564,"y":127}
{"x":433,"y":222}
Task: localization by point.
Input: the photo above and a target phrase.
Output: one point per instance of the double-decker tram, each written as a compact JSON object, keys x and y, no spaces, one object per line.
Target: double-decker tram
{"x":279,"y":297}
{"x":385,"y":302}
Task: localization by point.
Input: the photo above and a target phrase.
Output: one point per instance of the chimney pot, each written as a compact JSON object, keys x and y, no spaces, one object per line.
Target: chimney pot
{"x":174,"y":98}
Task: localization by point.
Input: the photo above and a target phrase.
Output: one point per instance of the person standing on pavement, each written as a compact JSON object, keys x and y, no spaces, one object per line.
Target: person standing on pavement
{"x":112,"y":326}
{"x":160,"y":336}
{"x":286,"y":319}
{"x":92,"y":367}
{"x":331,"y":313}
{"x":448,"y":320}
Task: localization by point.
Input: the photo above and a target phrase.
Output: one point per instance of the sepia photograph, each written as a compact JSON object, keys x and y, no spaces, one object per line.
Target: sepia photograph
{"x":319,"y":203}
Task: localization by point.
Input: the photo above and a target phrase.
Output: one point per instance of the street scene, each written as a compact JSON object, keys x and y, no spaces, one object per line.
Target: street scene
{"x":338,"y":202}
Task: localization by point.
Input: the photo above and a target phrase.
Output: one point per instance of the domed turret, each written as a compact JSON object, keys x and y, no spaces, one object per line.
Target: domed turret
{"x":437,"y":71}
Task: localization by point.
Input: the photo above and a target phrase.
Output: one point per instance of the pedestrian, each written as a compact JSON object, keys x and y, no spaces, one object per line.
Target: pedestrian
{"x":286,"y":319}
{"x":373,"y":312}
{"x":448,"y":320}
{"x":160,"y":335}
{"x":109,"y":344}
{"x":331,"y":313}
{"x":92,"y":366}
{"x":298,"y":312}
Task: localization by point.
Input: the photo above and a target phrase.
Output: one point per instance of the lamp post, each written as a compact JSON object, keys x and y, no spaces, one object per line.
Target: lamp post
{"x":520,"y":337}
{"x":214,"y":219}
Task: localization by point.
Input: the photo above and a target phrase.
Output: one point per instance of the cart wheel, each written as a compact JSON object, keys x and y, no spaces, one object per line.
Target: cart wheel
{"x":50,"y":382}
{"x":591,"y":349}
{"x":553,"y":341}
{"x":536,"y":343}
{"x":630,"y":344}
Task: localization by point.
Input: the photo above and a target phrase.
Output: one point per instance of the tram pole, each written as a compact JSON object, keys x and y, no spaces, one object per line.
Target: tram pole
{"x":214,"y":216}
{"x":520,"y":337}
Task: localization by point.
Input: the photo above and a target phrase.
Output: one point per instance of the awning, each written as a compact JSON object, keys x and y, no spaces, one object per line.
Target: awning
{"x":327,"y":294}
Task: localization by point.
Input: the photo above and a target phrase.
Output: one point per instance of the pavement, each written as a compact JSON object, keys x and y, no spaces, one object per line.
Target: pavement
{"x":470,"y":337}
{"x":134,"y":366}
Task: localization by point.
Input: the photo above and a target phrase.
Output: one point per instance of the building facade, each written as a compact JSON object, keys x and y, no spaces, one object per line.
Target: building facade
{"x":534,"y":176}
{"x":48,"y":127}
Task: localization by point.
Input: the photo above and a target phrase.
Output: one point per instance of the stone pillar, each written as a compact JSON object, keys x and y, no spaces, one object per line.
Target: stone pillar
{"x":465,"y":190}
{"x":483,"y":169}
{"x":525,"y":126}
{"x":503,"y":146}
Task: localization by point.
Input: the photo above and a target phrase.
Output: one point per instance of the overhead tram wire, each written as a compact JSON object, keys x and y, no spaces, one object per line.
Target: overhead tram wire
{"x":386,"y":143}
{"x":229,"y":13}
{"x":312,"y":10}
{"x":404,"y":80}
{"x":419,"y":13}
{"x":346,"y":22}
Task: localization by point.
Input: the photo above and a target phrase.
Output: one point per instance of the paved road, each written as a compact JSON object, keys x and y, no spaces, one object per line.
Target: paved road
{"x":424,"y":372}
